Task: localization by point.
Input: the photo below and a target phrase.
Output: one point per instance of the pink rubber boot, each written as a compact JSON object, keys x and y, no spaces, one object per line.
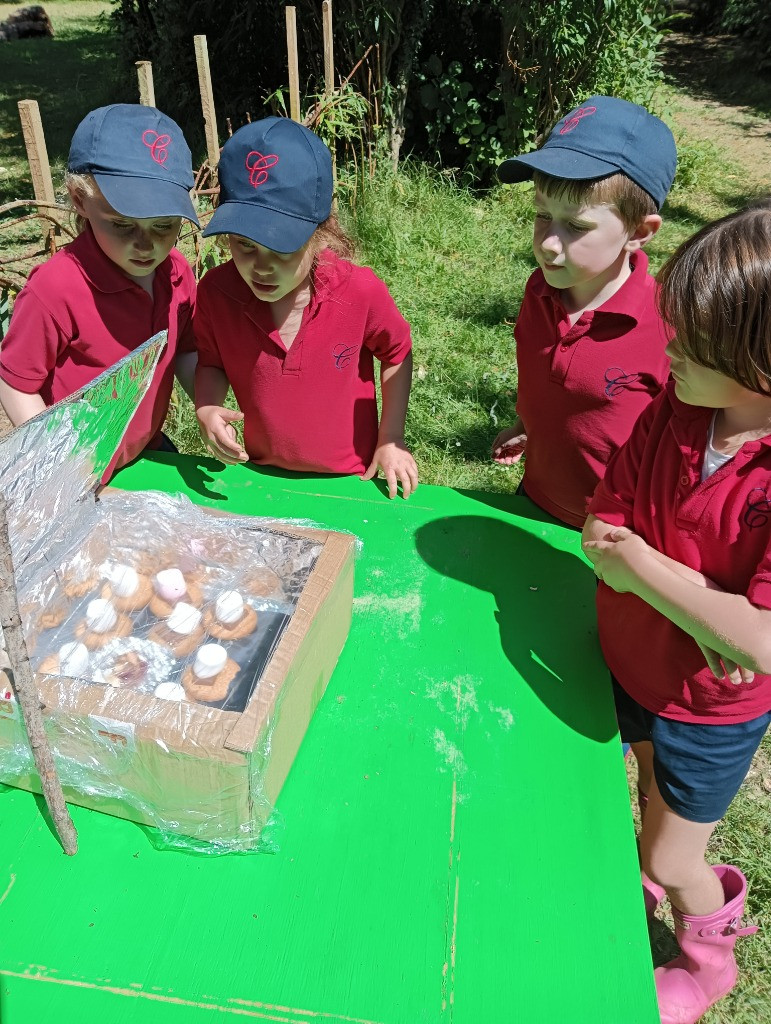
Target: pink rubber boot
{"x":653,"y":894}
{"x":706,"y":969}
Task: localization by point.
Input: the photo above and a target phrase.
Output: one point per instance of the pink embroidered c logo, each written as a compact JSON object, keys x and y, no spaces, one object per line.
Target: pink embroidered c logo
{"x":572,"y":121}
{"x":157,"y":144}
{"x":257,"y":165}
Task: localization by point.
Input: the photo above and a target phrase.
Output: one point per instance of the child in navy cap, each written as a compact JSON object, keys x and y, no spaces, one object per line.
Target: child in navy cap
{"x":129,"y":178}
{"x":293,"y":326}
{"x":589,"y":341}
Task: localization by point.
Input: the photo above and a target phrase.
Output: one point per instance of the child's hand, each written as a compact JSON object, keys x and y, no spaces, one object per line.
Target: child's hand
{"x":614,"y":557}
{"x":722,"y":667}
{"x":509,"y":445}
{"x":397,"y":465}
{"x":216,"y":426}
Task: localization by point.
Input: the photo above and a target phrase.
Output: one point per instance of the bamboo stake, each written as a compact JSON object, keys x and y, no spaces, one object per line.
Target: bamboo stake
{"x":329,"y":59}
{"x":329,"y":78}
{"x":207,"y":100}
{"x":37,"y":156}
{"x":27,"y":694}
{"x":146,"y":86}
{"x":294,"y":72}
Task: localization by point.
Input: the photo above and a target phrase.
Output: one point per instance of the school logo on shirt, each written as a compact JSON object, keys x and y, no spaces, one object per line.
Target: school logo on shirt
{"x":758,"y":508}
{"x":157,"y":144}
{"x":258,"y":165}
{"x":343,"y":354}
{"x":616,"y":380}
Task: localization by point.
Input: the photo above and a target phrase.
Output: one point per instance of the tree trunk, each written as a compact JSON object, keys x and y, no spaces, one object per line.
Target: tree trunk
{"x":415,"y":20}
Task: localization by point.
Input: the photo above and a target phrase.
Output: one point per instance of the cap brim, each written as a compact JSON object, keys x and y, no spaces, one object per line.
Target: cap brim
{"x":274,"y":230}
{"x":146,"y":197}
{"x":556,"y":161}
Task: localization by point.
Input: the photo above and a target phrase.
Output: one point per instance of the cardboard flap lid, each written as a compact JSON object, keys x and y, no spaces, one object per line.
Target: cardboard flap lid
{"x":51,"y":464}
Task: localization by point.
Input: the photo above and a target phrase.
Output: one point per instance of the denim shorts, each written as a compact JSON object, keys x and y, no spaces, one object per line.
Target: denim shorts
{"x":698,"y":768}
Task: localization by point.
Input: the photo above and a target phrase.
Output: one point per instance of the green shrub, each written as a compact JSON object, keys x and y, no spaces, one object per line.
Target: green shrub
{"x":461,"y":82}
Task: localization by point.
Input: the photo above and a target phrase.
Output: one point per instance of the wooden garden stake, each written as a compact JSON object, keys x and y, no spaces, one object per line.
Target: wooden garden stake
{"x":329,"y":76}
{"x":27,"y":694}
{"x":146,"y":86}
{"x":294,"y":73}
{"x":329,"y":58}
{"x":37,"y":156}
{"x":207,"y":100}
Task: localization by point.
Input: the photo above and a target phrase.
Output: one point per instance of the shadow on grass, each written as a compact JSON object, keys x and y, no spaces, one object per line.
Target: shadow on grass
{"x":545,"y":600}
{"x":718,"y":68}
{"x":68,"y":76}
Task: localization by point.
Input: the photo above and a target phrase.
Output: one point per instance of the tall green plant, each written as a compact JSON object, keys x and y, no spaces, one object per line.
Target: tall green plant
{"x":559,"y":52}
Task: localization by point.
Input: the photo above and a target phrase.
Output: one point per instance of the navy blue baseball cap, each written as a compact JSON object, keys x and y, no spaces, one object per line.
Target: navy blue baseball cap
{"x":275,"y":180}
{"x":603,"y":136}
{"x":138,"y":158}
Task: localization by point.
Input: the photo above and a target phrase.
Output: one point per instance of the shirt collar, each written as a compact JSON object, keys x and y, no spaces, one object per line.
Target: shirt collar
{"x":698,"y":414}
{"x":630,"y":300}
{"x":102,"y":273}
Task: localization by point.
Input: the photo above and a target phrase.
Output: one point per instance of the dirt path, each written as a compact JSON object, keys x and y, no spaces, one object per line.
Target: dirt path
{"x":720,"y":101}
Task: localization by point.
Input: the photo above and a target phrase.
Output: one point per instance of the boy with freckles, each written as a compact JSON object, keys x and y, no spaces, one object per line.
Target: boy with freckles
{"x":590,"y":344}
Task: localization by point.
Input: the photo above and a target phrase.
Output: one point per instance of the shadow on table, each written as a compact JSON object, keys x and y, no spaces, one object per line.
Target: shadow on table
{"x":200,"y":473}
{"x":545,"y":615}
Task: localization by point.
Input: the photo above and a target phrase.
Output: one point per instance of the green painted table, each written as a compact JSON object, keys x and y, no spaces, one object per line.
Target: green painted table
{"x":456,"y":845}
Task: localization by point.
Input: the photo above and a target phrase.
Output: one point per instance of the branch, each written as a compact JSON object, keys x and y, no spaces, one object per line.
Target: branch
{"x":23,"y":683}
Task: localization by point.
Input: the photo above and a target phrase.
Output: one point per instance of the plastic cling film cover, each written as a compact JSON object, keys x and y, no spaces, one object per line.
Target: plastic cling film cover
{"x":150,"y":637}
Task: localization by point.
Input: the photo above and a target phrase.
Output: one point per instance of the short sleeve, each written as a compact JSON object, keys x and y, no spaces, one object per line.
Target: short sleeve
{"x":31,"y":347}
{"x":759,"y":590}
{"x":186,"y":336}
{"x":203,"y":330}
{"x":613,"y":500}
{"x":387,"y":333}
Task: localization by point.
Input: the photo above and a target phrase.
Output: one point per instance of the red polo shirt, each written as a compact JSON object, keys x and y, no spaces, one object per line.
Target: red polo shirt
{"x":311,"y":408}
{"x":79,"y":313}
{"x":581,"y":387}
{"x":721,"y":527}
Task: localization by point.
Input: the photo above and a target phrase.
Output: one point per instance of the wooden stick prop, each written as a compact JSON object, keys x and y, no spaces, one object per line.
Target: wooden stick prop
{"x":37,"y":156}
{"x":294,"y":72}
{"x":207,"y":100}
{"x":27,"y":694}
{"x":146,"y":85}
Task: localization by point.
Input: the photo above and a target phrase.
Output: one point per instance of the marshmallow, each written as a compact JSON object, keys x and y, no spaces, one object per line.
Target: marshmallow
{"x":101,"y":617}
{"x":170,"y":691}
{"x":73,"y":659}
{"x":123,"y":580}
{"x":184,"y":619}
{"x":209,"y":661}
{"x":229,"y":607}
{"x":170,"y":585}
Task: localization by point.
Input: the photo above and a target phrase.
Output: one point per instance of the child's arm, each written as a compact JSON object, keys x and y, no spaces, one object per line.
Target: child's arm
{"x":728,"y":624}
{"x":184,"y":371}
{"x":214,"y":421}
{"x":509,"y":445}
{"x":391,"y":454}
{"x":18,"y":405}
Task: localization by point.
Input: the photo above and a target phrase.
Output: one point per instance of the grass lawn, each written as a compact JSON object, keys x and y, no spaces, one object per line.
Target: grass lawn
{"x":456,"y":263}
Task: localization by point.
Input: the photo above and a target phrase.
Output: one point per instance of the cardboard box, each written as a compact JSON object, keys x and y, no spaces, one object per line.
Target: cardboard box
{"x":191,"y":770}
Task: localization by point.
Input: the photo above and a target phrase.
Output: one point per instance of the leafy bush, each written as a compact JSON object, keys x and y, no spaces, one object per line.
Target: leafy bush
{"x":461,"y":81}
{"x":560,"y":52}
